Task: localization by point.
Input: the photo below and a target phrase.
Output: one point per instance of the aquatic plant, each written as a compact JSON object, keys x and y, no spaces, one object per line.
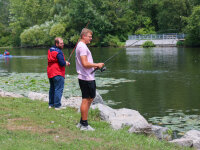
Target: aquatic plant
{"x":22,"y":83}
{"x":178,"y":121}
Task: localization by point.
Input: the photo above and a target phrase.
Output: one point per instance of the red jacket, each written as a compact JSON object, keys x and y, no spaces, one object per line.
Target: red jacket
{"x":56,"y":63}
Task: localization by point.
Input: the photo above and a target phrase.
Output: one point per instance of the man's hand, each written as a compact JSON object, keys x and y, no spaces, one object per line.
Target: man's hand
{"x":67,"y":63}
{"x":100,"y":65}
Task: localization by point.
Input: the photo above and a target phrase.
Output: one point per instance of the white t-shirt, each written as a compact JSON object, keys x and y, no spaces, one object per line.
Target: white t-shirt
{"x":84,"y":73}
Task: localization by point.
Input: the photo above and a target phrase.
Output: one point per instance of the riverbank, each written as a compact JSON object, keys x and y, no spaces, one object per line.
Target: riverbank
{"x":27,"y":124}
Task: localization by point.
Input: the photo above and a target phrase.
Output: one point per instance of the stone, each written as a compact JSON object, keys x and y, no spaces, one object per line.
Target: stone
{"x":38,"y":96}
{"x":118,"y":118}
{"x":161,"y":132}
{"x":183,"y":142}
{"x":9,"y":94}
{"x":97,"y":99}
{"x":191,"y":139}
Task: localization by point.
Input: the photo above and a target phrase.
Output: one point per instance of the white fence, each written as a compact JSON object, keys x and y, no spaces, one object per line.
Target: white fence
{"x":157,"y":36}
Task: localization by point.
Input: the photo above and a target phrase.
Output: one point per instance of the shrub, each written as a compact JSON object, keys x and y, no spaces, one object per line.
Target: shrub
{"x":37,"y":35}
{"x":5,"y":41}
{"x":180,"y":43}
{"x":148,"y":44}
{"x":57,"y":30}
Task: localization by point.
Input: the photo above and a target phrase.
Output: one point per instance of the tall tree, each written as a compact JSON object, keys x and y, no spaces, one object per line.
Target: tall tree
{"x":170,"y":13}
{"x":193,"y":28}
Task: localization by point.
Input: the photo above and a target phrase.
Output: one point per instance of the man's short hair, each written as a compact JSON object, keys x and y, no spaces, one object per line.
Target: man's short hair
{"x":57,"y":40}
{"x":85,"y":31}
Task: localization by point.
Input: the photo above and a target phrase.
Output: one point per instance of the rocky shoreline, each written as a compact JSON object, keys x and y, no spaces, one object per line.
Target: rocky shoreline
{"x":119,"y":118}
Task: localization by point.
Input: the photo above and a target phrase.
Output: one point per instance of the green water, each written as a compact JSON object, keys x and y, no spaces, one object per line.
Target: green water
{"x":167,"y":79}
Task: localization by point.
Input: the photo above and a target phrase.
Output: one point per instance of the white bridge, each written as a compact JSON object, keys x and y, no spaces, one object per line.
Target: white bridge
{"x":167,"y":39}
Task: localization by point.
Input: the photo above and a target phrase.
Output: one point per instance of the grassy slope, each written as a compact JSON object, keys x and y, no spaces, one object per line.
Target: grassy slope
{"x":27,"y":124}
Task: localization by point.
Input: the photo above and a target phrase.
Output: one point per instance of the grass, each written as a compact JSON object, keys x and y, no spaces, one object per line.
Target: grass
{"x":31,"y":125}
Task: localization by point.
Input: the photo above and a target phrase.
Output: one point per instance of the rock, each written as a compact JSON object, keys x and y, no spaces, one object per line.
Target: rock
{"x":191,"y":139}
{"x":71,"y":102}
{"x":9,"y":94}
{"x":38,"y":96}
{"x":97,"y":99}
{"x":183,"y":142}
{"x":74,"y":102}
{"x":161,"y":132}
{"x":118,"y":118}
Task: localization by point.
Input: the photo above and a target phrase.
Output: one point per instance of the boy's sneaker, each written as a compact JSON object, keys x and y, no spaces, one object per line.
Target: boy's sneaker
{"x":50,"y":107}
{"x":60,"y":108}
{"x":86,"y":128}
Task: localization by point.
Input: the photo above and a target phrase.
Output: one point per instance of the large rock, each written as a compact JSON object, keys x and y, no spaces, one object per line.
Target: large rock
{"x":190,"y":139}
{"x":119,"y":118}
{"x":9,"y":94}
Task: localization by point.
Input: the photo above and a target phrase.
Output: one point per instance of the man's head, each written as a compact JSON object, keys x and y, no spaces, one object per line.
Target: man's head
{"x":59,"y":42}
{"x":86,"y":35}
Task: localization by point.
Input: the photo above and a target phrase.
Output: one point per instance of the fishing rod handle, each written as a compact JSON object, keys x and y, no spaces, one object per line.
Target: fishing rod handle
{"x":94,"y":70}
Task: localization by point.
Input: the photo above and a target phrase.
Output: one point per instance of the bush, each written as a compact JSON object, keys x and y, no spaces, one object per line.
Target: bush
{"x":5,"y":41}
{"x":37,"y":35}
{"x":148,"y":44}
{"x":180,"y":43}
{"x":57,"y":30}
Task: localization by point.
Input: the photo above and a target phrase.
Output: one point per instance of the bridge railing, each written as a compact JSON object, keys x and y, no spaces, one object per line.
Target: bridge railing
{"x":157,"y":36}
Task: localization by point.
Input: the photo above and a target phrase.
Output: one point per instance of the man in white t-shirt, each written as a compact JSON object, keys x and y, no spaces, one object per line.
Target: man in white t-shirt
{"x":84,"y":67}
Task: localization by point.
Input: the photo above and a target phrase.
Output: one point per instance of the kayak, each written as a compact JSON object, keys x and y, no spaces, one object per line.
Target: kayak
{"x":5,"y":55}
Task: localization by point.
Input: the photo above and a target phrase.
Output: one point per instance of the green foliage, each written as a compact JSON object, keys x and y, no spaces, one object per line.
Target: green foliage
{"x":193,"y":28}
{"x":37,"y":35}
{"x":180,"y":43}
{"x":57,"y":30}
{"x":170,"y":15}
{"x":74,"y":39}
{"x":147,"y":27}
{"x":113,"y":41}
{"x":116,"y":18}
{"x":148,"y":44}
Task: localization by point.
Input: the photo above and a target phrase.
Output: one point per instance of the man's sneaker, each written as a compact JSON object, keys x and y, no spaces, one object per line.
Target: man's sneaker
{"x":50,"y":107}
{"x":60,"y":108}
{"x":86,"y":128}
{"x":78,"y":125}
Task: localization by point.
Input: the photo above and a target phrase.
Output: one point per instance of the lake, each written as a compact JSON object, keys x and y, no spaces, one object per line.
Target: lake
{"x":166,"y":79}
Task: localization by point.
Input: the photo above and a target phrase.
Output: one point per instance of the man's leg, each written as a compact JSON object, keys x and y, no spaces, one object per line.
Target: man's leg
{"x":51,"y":92}
{"x":59,"y":86}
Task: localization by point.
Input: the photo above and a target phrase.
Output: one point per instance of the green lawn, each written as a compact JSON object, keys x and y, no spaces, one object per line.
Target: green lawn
{"x":27,"y":124}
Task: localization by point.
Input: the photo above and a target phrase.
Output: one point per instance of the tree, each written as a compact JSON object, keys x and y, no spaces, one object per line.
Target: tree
{"x":170,"y":13}
{"x":193,"y":28}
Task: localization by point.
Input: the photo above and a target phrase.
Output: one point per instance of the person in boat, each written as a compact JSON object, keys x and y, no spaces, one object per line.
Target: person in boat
{"x":6,"y":53}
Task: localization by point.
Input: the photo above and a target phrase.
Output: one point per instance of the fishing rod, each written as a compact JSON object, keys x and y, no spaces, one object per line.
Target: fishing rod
{"x":106,"y":61}
{"x":76,"y":45}
{"x":104,"y":68}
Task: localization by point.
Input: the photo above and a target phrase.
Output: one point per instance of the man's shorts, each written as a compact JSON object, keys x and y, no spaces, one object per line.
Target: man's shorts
{"x":88,"y":88}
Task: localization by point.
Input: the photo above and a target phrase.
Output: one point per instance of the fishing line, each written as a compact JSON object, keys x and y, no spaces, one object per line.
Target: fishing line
{"x":104,"y":68}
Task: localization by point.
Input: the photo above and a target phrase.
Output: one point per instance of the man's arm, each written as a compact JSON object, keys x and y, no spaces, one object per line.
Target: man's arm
{"x":87,"y":64}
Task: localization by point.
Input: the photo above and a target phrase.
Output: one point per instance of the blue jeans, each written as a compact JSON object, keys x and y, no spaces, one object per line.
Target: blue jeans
{"x":56,"y":91}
